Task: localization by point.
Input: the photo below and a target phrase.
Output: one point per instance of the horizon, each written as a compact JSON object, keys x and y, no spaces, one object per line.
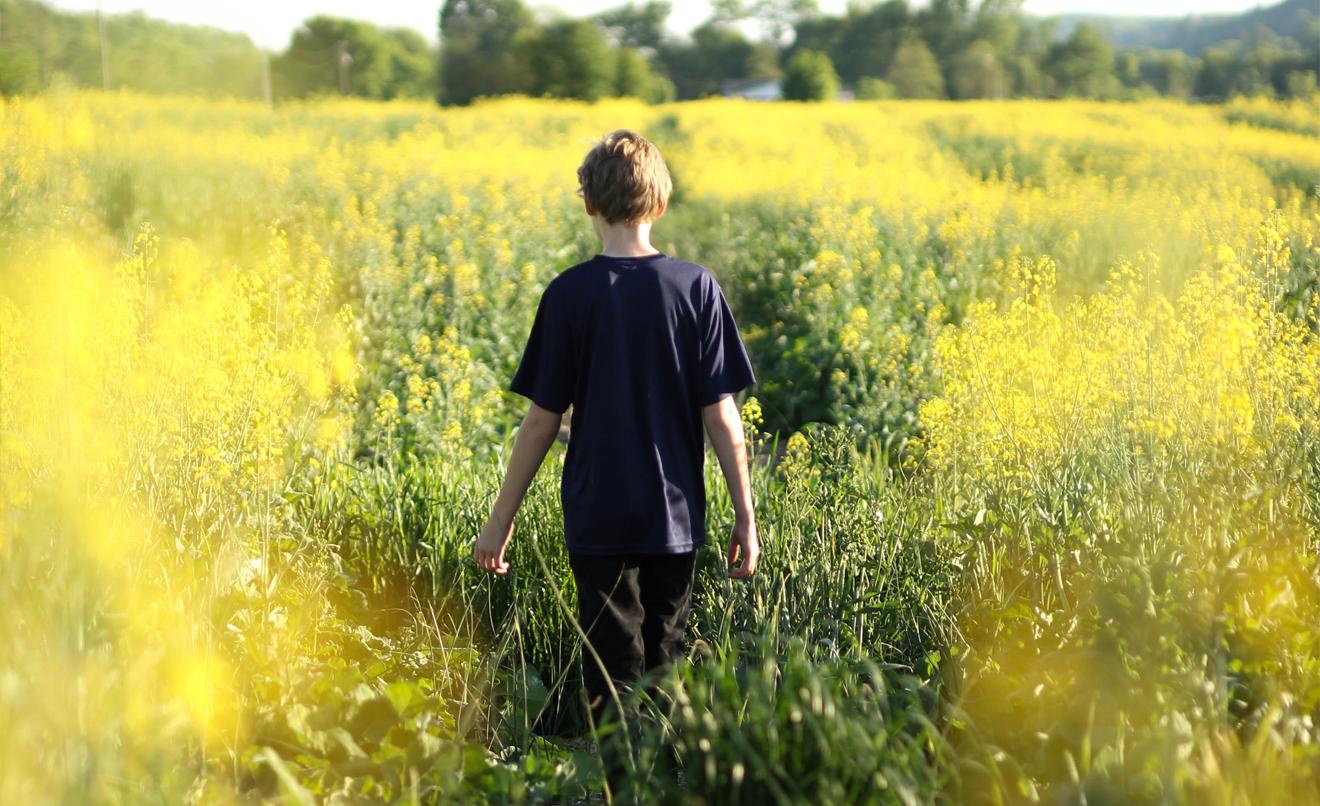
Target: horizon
{"x":273,"y":30}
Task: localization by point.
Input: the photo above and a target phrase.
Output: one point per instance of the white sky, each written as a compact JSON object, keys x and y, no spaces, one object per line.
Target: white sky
{"x":271,"y":22}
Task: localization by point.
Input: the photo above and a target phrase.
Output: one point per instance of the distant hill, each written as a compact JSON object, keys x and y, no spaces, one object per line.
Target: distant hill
{"x":1293,"y":19}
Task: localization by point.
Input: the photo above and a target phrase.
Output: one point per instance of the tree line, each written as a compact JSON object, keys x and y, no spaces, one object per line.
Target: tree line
{"x":944,"y":49}
{"x":41,"y":47}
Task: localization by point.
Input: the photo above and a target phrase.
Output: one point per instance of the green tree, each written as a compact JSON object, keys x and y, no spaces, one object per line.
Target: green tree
{"x":716,"y":54}
{"x":571,"y":59}
{"x":1214,"y":75}
{"x":328,"y":55}
{"x":1032,"y":43}
{"x":869,"y":40}
{"x":941,"y":25}
{"x":776,"y":17}
{"x":1259,"y":65}
{"x":412,"y":64}
{"x":1300,"y":84}
{"x":481,"y":49}
{"x":1127,"y":68}
{"x":870,"y":88}
{"x":762,"y":62}
{"x":1169,"y":72}
{"x":809,"y":76}
{"x":635,"y":77}
{"x":639,"y":26}
{"x":1227,"y":71}
{"x":821,"y":33}
{"x":1083,"y":65}
{"x":978,"y":73}
{"x":39,"y":45}
{"x":19,"y":70}
{"x":155,"y":56}
{"x":998,"y":22}
{"x":914,"y":72}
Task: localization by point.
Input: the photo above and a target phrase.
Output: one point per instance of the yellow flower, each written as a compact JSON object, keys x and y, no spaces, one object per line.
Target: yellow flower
{"x":343,"y":367}
{"x":453,"y":431}
{"x":751,"y":412}
{"x":328,"y":432}
{"x":387,"y":409}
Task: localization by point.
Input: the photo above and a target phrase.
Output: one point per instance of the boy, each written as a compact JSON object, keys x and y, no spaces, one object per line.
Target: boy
{"x":645,"y":349}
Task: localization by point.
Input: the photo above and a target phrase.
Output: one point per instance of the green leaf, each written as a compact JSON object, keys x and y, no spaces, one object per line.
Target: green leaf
{"x":402,"y":694}
{"x":293,"y":790}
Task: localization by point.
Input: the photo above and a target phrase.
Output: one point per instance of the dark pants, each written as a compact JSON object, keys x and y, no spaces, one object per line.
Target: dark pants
{"x":634,"y":610}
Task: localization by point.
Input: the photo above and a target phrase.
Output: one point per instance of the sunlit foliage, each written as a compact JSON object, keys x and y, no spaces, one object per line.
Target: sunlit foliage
{"x":1034,"y":436}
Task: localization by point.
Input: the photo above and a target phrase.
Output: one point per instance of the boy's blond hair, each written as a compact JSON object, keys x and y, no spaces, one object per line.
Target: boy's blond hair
{"x":624,"y":178}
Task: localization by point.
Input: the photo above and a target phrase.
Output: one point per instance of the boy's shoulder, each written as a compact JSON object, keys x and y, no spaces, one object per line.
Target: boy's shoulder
{"x":680,"y":271}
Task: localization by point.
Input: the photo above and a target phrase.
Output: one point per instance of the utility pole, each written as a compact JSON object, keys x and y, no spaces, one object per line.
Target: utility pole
{"x":345,"y":59}
{"x":105,"y":54}
{"x":265,"y":76}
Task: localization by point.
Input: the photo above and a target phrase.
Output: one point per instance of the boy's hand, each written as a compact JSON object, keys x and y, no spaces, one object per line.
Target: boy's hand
{"x":488,"y":551}
{"x":744,"y":544}
{"x":538,"y":430}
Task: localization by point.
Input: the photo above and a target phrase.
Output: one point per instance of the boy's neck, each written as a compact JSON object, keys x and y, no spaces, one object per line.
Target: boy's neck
{"x":626,"y":240}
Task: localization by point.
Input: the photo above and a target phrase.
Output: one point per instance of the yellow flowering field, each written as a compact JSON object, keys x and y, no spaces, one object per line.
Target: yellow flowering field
{"x":1036,"y":430}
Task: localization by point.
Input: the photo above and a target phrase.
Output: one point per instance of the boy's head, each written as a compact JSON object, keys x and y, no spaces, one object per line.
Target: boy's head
{"x":624,"y":179}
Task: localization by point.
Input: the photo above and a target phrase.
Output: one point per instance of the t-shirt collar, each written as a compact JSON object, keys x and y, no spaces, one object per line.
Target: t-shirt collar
{"x":652,"y":256}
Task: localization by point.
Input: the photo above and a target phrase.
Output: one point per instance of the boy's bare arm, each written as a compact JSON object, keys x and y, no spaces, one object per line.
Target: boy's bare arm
{"x":539,"y":429}
{"x":724,"y":425}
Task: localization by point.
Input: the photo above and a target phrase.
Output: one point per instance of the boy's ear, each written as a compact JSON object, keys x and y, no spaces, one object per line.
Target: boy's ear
{"x":587,"y":204}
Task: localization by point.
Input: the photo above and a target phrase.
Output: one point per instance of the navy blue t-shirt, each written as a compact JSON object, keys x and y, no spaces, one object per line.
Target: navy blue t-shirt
{"x":637,"y":346}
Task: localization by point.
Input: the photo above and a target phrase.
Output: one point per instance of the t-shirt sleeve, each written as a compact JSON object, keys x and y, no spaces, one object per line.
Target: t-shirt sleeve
{"x":724,"y":365}
{"x":546,"y":375}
